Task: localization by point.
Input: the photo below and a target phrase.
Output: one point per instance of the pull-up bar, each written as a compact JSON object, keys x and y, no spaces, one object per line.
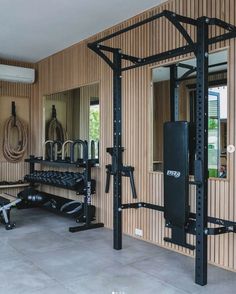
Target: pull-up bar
{"x":176,"y":20}
{"x":165,"y":13}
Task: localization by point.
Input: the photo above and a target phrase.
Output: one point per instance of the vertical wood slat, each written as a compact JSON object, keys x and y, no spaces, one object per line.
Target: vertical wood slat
{"x":13,"y":91}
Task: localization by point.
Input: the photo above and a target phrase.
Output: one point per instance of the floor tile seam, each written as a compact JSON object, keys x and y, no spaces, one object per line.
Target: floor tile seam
{"x":38,"y":267}
{"x":152,"y":276}
{"x":86,"y":274}
{"x":63,"y":247}
{"x":161,"y":280}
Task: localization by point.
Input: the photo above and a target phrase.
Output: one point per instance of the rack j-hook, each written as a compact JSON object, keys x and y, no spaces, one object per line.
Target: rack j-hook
{"x":54,"y":112}
{"x":13,"y":111}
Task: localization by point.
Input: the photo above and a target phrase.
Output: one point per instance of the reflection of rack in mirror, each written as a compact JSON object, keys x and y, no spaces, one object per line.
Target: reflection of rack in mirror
{"x":186,"y":93}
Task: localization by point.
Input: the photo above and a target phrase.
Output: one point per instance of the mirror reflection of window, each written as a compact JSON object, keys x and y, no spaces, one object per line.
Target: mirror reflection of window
{"x":94,"y":127}
{"x":217,"y":130}
{"x":218,"y":104}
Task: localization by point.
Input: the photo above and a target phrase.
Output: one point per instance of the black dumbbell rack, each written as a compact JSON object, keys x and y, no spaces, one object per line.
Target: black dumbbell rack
{"x":88,"y":188}
{"x":67,"y":180}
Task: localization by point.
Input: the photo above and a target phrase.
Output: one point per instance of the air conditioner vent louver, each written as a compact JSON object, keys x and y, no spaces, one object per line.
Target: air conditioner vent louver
{"x":17,"y":74}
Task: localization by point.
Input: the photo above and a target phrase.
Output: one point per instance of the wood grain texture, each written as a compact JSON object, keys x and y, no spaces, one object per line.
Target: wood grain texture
{"x":78,"y":66}
{"x":24,"y":95}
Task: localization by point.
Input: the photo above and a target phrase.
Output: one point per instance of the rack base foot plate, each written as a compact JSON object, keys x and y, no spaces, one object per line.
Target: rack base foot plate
{"x":85,"y":227}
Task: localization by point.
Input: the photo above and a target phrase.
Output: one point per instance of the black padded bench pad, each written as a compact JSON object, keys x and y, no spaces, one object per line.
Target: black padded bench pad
{"x":176,"y":173}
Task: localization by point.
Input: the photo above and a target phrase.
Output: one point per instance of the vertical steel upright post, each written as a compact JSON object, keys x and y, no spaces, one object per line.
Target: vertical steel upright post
{"x":117,"y":151}
{"x":32,"y":164}
{"x":88,"y":183}
{"x":201,"y":164}
{"x":174,"y":93}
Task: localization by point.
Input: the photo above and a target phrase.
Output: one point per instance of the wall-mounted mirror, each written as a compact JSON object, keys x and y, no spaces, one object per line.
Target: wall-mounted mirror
{"x":186,"y":93}
{"x":77,"y":117}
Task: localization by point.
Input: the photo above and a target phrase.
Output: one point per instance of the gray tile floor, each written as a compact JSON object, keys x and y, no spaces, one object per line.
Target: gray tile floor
{"x":41,"y":256}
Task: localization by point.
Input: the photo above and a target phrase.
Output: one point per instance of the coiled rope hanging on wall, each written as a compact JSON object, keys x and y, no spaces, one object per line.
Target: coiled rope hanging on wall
{"x":14,"y":153}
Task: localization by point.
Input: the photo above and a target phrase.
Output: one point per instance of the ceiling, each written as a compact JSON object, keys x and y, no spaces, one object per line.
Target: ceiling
{"x":34,"y":29}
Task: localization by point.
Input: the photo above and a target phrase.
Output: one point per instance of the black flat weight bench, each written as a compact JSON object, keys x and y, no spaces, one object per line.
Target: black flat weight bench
{"x":6,"y":203}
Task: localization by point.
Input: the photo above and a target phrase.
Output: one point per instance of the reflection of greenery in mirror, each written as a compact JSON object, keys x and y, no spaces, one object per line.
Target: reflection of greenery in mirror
{"x":94,"y":123}
{"x":212,"y":124}
{"x":217,"y":112}
{"x":78,"y":112}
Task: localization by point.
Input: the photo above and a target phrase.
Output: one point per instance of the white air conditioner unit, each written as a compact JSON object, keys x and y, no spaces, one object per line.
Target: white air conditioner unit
{"x":17,"y":74}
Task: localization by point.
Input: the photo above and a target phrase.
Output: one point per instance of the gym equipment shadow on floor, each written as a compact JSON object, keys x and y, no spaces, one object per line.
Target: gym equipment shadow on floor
{"x":41,"y":256}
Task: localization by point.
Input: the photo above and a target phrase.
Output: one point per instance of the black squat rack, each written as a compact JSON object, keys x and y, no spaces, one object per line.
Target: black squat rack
{"x":197,"y":222}
{"x":81,"y":183}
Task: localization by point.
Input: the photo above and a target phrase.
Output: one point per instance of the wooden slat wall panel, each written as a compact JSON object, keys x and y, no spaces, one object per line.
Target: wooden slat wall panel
{"x":16,"y":171}
{"x":22,"y":111}
{"x":77,"y":66}
{"x":12,"y":172}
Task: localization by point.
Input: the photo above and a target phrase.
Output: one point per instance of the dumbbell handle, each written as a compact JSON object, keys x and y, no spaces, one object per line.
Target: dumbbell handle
{"x":55,"y":149}
{"x":84,"y":145}
{"x":63,"y":148}
{"x":44,"y":148}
